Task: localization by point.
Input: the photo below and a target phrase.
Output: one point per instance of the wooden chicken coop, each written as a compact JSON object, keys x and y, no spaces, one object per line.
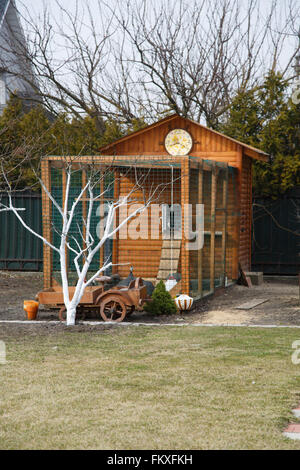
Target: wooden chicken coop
{"x":194,"y":165}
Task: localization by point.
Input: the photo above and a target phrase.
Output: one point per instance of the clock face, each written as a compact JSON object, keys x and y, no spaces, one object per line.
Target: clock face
{"x":178,"y":142}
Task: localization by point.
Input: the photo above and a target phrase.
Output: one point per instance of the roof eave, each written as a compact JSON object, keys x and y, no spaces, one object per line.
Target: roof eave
{"x":262,"y":156}
{"x":250,"y":151}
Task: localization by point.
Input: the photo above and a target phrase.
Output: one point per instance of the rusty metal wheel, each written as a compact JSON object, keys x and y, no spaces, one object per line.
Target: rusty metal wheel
{"x":113,"y":309}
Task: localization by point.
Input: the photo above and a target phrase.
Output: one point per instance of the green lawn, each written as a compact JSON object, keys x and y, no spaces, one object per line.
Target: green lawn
{"x":149,"y":388}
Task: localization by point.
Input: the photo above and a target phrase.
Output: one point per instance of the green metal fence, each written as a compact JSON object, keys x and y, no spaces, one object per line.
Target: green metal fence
{"x":19,"y":249}
{"x":276,"y":234}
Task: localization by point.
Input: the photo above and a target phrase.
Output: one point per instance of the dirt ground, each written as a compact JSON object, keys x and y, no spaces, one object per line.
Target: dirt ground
{"x":281,"y":308}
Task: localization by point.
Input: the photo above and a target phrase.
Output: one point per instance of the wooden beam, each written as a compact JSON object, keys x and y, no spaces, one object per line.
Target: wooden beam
{"x":185,"y":190}
{"x":213,"y":227}
{"x":144,"y":161}
{"x":46,"y":210}
{"x":235,"y":269}
{"x":257,"y":156}
{"x":200,"y":252}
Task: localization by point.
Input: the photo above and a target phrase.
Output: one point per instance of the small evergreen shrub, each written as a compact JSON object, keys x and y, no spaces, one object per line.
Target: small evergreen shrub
{"x":162,"y":302}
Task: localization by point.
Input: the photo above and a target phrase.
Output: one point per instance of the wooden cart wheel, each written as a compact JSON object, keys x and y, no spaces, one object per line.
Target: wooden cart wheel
{"x":113,"y":309}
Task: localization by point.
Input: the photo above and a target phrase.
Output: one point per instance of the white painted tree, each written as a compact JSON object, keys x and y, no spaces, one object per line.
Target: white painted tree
{"x":87,"y":248}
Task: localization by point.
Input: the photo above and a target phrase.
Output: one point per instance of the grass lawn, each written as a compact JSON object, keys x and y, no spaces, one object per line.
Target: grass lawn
{"x":149,"y":388}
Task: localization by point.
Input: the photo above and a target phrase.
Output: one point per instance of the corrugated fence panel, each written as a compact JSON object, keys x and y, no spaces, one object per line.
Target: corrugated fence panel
{"x":19,"y":249}
{"x":276,"y":234}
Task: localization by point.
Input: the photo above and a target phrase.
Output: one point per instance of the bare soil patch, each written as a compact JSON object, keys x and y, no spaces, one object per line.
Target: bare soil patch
{"x":282,"y":307}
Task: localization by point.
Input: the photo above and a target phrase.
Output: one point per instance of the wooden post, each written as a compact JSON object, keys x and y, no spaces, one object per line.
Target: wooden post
{"x":213,"y":226}
{"x":235,"y":269}
{"x":46,"y":210}
{"x":200,"y":252}
{"x":224,"y":231}
{"x":185,"y":189}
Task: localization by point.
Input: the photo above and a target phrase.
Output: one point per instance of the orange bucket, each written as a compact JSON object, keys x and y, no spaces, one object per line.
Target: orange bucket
{"x":31,"y":308}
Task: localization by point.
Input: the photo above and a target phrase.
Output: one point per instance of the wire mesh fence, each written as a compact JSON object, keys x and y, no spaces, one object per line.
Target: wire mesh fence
{"x":160,"y":242}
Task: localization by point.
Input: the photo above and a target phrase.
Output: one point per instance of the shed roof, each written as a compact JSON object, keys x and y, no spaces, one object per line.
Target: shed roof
{"x":252,"y":152}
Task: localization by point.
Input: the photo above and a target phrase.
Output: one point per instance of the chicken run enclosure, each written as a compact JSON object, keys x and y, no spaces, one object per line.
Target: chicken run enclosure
{"x":160,"y":245}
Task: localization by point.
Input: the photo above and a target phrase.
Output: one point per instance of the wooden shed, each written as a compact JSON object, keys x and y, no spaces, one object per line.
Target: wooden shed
{"x":210,"y":169}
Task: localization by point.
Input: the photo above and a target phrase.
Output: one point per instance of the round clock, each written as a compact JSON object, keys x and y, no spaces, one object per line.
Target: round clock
{"x":178,"y":142}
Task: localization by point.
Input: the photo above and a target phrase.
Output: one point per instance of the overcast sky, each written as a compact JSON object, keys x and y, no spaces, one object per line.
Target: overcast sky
{"x":37,"y":6}
{"x":73,"y":76}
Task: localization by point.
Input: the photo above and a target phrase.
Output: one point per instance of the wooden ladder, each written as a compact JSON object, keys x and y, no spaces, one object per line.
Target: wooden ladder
{"x":169,"y":259}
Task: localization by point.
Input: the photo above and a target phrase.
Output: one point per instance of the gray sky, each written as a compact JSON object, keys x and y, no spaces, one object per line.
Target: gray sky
{"x":37,"y":6}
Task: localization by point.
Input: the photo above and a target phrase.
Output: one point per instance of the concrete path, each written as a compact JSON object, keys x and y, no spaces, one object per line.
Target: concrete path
{"x":233,"y":325}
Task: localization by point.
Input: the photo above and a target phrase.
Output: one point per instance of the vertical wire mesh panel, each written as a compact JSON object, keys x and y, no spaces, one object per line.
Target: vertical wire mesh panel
{"x":76,"y":228}
{"x":220,"y":230}
{"x":207,"y":233}
{"x":193,"y":253}
{"x":232,"y":218}
{"x":76,"y":231}
{"x":95,"y":221}
{"x":148,"y":243}
{"x":100,"y":209}
{"x":56,"y":222}
{"x":151,"y":241}
{"x":94,"y":224}
{"x":109,"y":184}
{"x":207,"y":268}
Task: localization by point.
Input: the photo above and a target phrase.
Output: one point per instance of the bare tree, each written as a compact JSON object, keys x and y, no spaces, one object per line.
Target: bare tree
{"x":85,"y":246}
{"x":145,"y":58}
{"x":195,"y":56}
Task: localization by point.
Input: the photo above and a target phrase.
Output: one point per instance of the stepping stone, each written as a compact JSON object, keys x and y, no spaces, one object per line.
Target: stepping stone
{"x":292,"y":431}
{"x":251,"y":304}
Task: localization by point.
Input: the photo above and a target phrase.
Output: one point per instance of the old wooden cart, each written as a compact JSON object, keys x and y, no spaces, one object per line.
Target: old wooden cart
{"x":113,"y":304}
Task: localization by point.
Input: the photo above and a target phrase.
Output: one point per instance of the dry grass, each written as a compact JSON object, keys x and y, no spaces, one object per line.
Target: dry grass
{"x":149,"y":388}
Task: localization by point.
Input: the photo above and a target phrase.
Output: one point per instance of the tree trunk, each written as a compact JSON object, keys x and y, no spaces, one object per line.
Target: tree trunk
{"x":71,"y":315}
